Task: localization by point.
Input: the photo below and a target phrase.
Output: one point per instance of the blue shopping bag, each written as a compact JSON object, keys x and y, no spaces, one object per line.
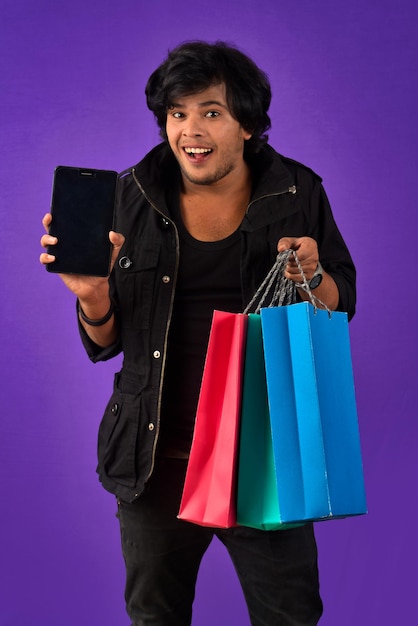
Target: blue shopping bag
{"x":313,"y":414}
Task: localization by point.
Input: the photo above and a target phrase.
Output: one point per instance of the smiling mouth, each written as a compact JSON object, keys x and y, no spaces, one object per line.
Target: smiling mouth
{"x":197,"y":152}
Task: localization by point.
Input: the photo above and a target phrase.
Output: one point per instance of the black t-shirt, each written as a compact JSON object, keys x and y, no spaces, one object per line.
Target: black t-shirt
{"x":208,"y":279}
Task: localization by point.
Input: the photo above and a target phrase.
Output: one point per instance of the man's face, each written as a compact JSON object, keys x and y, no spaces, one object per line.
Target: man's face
{"x":205,"y":138}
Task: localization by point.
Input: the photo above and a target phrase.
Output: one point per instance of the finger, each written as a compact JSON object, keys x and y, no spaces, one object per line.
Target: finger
{"x":116,"y":239}
{"x":287,"y":243}
{"x":293,"y":272}
{"x":48,"y":240}
{"x":46,"y":221}
{"x":46,"y":258}
{"x":307,"y":249}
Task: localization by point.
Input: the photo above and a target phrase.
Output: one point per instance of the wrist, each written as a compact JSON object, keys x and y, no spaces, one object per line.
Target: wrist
{"x":314,"y":281}
{"x":93,"y":318}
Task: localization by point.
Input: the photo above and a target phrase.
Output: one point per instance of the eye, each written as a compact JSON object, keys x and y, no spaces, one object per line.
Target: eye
{"x":176,"y":114}
{"x":212,"y":114}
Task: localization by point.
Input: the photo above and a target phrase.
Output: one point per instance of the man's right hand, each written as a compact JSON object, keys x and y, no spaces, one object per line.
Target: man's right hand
{"x":88,"y":289}
{"x":92,"y":291}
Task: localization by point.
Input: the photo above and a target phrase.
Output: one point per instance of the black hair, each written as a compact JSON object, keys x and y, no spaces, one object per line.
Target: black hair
{"x":194,"y":66}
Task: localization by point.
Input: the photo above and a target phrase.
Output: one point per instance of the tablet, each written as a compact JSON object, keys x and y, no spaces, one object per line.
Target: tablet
{"x":82,"y":209}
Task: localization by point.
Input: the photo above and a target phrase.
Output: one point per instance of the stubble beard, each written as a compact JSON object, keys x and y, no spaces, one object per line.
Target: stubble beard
{"x":209,"y":179}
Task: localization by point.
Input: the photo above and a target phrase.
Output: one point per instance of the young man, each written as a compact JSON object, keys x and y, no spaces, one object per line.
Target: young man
{"x":200,"y":220}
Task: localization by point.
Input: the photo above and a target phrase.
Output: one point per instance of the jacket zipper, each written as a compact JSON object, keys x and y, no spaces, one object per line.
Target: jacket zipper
{"x":160,"y":391}
{"x":292,"y":189}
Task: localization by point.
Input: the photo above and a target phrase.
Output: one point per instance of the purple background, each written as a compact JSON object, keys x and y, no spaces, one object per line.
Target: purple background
{"x":71,"y":86}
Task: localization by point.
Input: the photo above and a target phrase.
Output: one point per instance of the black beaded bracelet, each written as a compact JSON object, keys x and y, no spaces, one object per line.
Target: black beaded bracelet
{"x":99,"y":322}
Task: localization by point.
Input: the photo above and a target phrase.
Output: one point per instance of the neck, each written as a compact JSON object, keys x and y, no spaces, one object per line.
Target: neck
{"x":233,"y":189}
{"x":213,"y":212}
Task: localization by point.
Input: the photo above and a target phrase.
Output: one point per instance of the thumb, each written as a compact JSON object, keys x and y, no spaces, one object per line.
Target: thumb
{"x":117,"y":240}
{"x":287,"y":243}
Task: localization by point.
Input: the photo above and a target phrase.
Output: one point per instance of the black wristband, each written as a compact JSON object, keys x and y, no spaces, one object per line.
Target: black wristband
{"x":99,"y":322}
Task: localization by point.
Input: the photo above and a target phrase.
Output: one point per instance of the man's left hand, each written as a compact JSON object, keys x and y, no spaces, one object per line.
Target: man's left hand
{"x":308,"y":255}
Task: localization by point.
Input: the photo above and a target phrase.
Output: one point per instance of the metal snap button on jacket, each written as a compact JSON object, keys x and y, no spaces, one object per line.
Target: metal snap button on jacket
{"x":125,"y":262}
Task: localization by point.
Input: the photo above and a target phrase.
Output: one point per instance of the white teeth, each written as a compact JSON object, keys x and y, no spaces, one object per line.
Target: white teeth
{"x":197,"y":150}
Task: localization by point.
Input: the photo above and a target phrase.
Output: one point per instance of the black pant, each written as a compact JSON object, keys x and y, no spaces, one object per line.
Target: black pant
{"x":277,"y":569}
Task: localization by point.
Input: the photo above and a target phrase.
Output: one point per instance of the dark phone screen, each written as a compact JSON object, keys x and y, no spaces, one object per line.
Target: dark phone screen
{"x":83,"y":203}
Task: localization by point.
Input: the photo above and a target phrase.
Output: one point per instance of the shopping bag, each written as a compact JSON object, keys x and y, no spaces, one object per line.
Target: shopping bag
{"x":313,"y":415}
{"x":209,"y":492}
{"x":257,"y":494}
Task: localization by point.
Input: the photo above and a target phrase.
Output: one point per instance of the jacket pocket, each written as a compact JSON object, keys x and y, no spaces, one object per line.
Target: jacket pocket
{"x":135,"y":275}
{"x":118,"y":433}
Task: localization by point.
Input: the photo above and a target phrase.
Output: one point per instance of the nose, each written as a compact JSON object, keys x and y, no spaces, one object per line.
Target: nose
{"x":193,"y":127}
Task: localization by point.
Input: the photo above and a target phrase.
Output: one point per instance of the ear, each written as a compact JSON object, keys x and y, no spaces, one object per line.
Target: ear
{"x":246,"y":134}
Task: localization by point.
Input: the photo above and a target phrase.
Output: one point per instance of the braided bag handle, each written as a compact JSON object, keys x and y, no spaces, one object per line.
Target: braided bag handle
{"x":276,"y":290}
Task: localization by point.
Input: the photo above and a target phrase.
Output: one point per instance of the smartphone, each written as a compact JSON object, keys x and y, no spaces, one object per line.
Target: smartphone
{"x":82,"y":209}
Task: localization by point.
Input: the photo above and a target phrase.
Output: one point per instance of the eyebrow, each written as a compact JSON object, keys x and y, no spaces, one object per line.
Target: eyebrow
{"x":207,"y":103}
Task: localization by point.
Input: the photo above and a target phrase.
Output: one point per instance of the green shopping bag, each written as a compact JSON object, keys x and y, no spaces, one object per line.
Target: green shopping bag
{"x":257,"y":494}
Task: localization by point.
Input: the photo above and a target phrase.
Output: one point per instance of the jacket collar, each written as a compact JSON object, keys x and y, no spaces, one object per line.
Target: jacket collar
{"x":158,"y":175}
{"x":271,"y":176}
